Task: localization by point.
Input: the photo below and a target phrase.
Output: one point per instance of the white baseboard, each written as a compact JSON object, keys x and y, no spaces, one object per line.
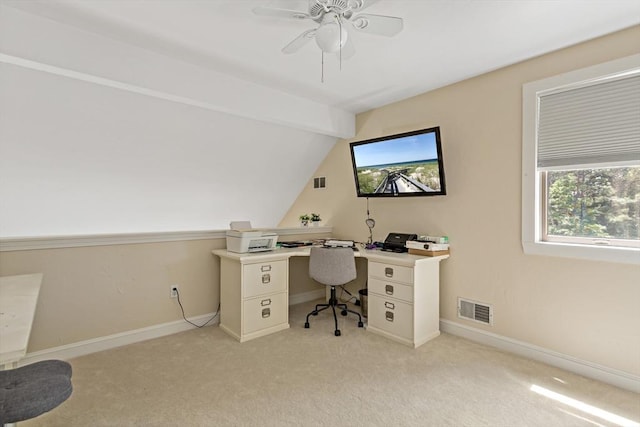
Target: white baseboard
{"x":306,"y":296}
{"x":588,"y":369}
{"x":82,"y":348}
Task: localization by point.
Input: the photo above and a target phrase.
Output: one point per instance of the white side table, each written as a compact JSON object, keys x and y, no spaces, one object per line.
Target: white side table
{"x":18,"y":299}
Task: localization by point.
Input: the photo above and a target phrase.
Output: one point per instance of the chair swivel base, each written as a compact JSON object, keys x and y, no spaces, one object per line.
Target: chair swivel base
{"x":333,"y":303}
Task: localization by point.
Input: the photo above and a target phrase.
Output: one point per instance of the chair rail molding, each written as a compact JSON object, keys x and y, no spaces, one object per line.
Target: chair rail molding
{"x":8,"y":244}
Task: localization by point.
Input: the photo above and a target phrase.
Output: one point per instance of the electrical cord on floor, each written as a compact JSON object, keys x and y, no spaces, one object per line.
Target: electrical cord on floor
{"x":351,"y":296}
{"x":189,"y":321}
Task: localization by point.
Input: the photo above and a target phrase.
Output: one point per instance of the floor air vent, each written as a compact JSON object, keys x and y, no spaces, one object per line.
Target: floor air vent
{"x":476,"y":311}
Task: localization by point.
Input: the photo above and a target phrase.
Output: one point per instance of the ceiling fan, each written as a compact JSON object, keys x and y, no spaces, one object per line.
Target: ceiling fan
{"x":332,"y":35}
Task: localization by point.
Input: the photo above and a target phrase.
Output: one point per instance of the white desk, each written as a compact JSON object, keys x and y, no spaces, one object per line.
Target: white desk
{"x":18,"y":299}
{"x":403,"y":294}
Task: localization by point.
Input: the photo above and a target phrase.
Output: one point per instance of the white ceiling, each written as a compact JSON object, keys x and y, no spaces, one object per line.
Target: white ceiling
{"x":443,"y":41}
{"x":196,"y":86}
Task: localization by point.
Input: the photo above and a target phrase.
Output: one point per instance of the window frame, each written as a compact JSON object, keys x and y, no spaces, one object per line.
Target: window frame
{"x":533,"y":207}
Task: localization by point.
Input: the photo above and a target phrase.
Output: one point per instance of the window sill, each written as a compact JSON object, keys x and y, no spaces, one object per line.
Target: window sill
{"x":587,"y":252}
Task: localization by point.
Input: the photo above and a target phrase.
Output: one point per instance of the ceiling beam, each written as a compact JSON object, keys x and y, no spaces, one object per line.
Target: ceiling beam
{"x":34,"y":42}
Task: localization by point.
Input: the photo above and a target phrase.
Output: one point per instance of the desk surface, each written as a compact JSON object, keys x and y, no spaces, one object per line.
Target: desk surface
{"x":18,"y":299}
{"x":372,"y":255}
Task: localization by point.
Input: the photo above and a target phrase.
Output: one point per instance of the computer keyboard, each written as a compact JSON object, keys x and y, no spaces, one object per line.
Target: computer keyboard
{"x":295,"y":244}
{"x":339,"y":243}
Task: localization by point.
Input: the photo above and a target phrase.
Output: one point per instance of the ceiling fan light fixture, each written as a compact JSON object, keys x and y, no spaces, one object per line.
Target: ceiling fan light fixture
{"x":331,"y":37}
{"x":333,"y":17}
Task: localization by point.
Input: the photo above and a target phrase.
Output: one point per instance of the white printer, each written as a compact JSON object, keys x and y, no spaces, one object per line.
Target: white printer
{"x":241,"y":238}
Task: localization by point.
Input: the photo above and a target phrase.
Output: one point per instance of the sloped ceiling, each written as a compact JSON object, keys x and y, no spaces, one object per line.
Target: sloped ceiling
{"x":443,"y":41}
{"x":163,"y":86}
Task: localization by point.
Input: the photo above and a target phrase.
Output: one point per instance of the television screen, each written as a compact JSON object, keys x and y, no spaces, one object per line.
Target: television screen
{"x":406,"y":164}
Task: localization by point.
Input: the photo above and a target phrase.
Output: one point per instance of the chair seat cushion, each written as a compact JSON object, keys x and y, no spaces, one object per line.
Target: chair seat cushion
{"x":32,"y":390}
{"x":36,"y":370}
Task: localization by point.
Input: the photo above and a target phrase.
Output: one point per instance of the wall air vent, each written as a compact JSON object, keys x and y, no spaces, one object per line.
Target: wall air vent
{"x":476,"y":311}
{"x":320,"y":182}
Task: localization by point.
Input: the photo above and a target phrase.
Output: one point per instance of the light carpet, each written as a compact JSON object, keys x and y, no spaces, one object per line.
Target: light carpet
{"x":309,"y":377}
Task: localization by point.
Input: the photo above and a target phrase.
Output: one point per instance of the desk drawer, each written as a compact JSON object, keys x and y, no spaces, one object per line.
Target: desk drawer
{"x":391,"y":289}
{"x":391,"y":272}
{"x":264,"y":278}
{"x":391,"y":315}
{"x":264,"y":312}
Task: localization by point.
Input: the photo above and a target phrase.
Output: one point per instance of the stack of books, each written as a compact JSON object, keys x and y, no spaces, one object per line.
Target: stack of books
{"x":428,"y":248}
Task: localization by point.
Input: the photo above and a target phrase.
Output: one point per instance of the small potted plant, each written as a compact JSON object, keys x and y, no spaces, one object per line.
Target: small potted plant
{"x":315,"y":219}
{"x":304,"y":219}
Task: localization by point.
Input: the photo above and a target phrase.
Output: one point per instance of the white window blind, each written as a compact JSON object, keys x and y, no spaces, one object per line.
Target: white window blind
{"x":595,"y":124}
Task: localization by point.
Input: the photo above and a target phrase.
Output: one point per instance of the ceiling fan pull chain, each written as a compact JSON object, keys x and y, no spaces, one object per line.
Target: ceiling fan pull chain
{"x":322,"y":66}
{"x":340,"y":44}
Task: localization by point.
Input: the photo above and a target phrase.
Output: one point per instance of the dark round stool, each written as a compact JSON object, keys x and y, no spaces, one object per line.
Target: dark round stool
{"x":31,"y":390}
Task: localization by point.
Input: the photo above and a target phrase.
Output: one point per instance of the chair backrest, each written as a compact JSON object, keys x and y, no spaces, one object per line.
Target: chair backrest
{"x":332,"y":266}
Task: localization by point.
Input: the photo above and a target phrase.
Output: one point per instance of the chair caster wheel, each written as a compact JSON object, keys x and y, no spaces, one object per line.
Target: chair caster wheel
{"x":360,"y":325}
{"x":337,"y":332}
{"x":306,"y":325}
{"x":344,"y":312}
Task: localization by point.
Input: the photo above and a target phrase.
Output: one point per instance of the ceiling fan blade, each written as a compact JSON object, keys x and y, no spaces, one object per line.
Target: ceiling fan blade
{"x":377,"y":24}
{"x":280,"y":13}
{"x":299,"y":41}
{"x":358,"y":5}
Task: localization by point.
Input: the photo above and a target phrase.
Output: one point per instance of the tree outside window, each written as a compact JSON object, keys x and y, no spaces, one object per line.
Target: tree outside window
{"x":594,"y":203}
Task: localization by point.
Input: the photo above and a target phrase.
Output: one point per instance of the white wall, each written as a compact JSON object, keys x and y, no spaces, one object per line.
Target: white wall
{"x":81,"y":157}
{"x":580,"y":309}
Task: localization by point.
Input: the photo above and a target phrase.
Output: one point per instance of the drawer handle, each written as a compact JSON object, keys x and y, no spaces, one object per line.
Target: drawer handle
{"x":264,"y":268}
{"x":266,"y":312}
{"x":266,"y":278}
{"x":389,"y":289}
{"x":265,"y":302}
{"x":389,"y":305}
{"x":389,"y":316}
{"x":388,"y":271}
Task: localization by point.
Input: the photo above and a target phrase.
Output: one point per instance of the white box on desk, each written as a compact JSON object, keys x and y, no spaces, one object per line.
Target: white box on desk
{"x":429,"y":246}
{"x":434,"y":239}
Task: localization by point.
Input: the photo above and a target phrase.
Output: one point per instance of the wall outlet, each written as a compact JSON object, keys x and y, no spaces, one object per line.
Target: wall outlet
{"x":173,"y":291}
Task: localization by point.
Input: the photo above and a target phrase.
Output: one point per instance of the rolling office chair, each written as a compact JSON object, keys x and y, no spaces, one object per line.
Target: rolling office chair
{"x":31,"y":390}
{"x":332,"y":267}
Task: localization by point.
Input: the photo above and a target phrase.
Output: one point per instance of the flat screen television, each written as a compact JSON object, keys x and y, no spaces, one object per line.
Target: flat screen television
{"x":401,"y":165}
